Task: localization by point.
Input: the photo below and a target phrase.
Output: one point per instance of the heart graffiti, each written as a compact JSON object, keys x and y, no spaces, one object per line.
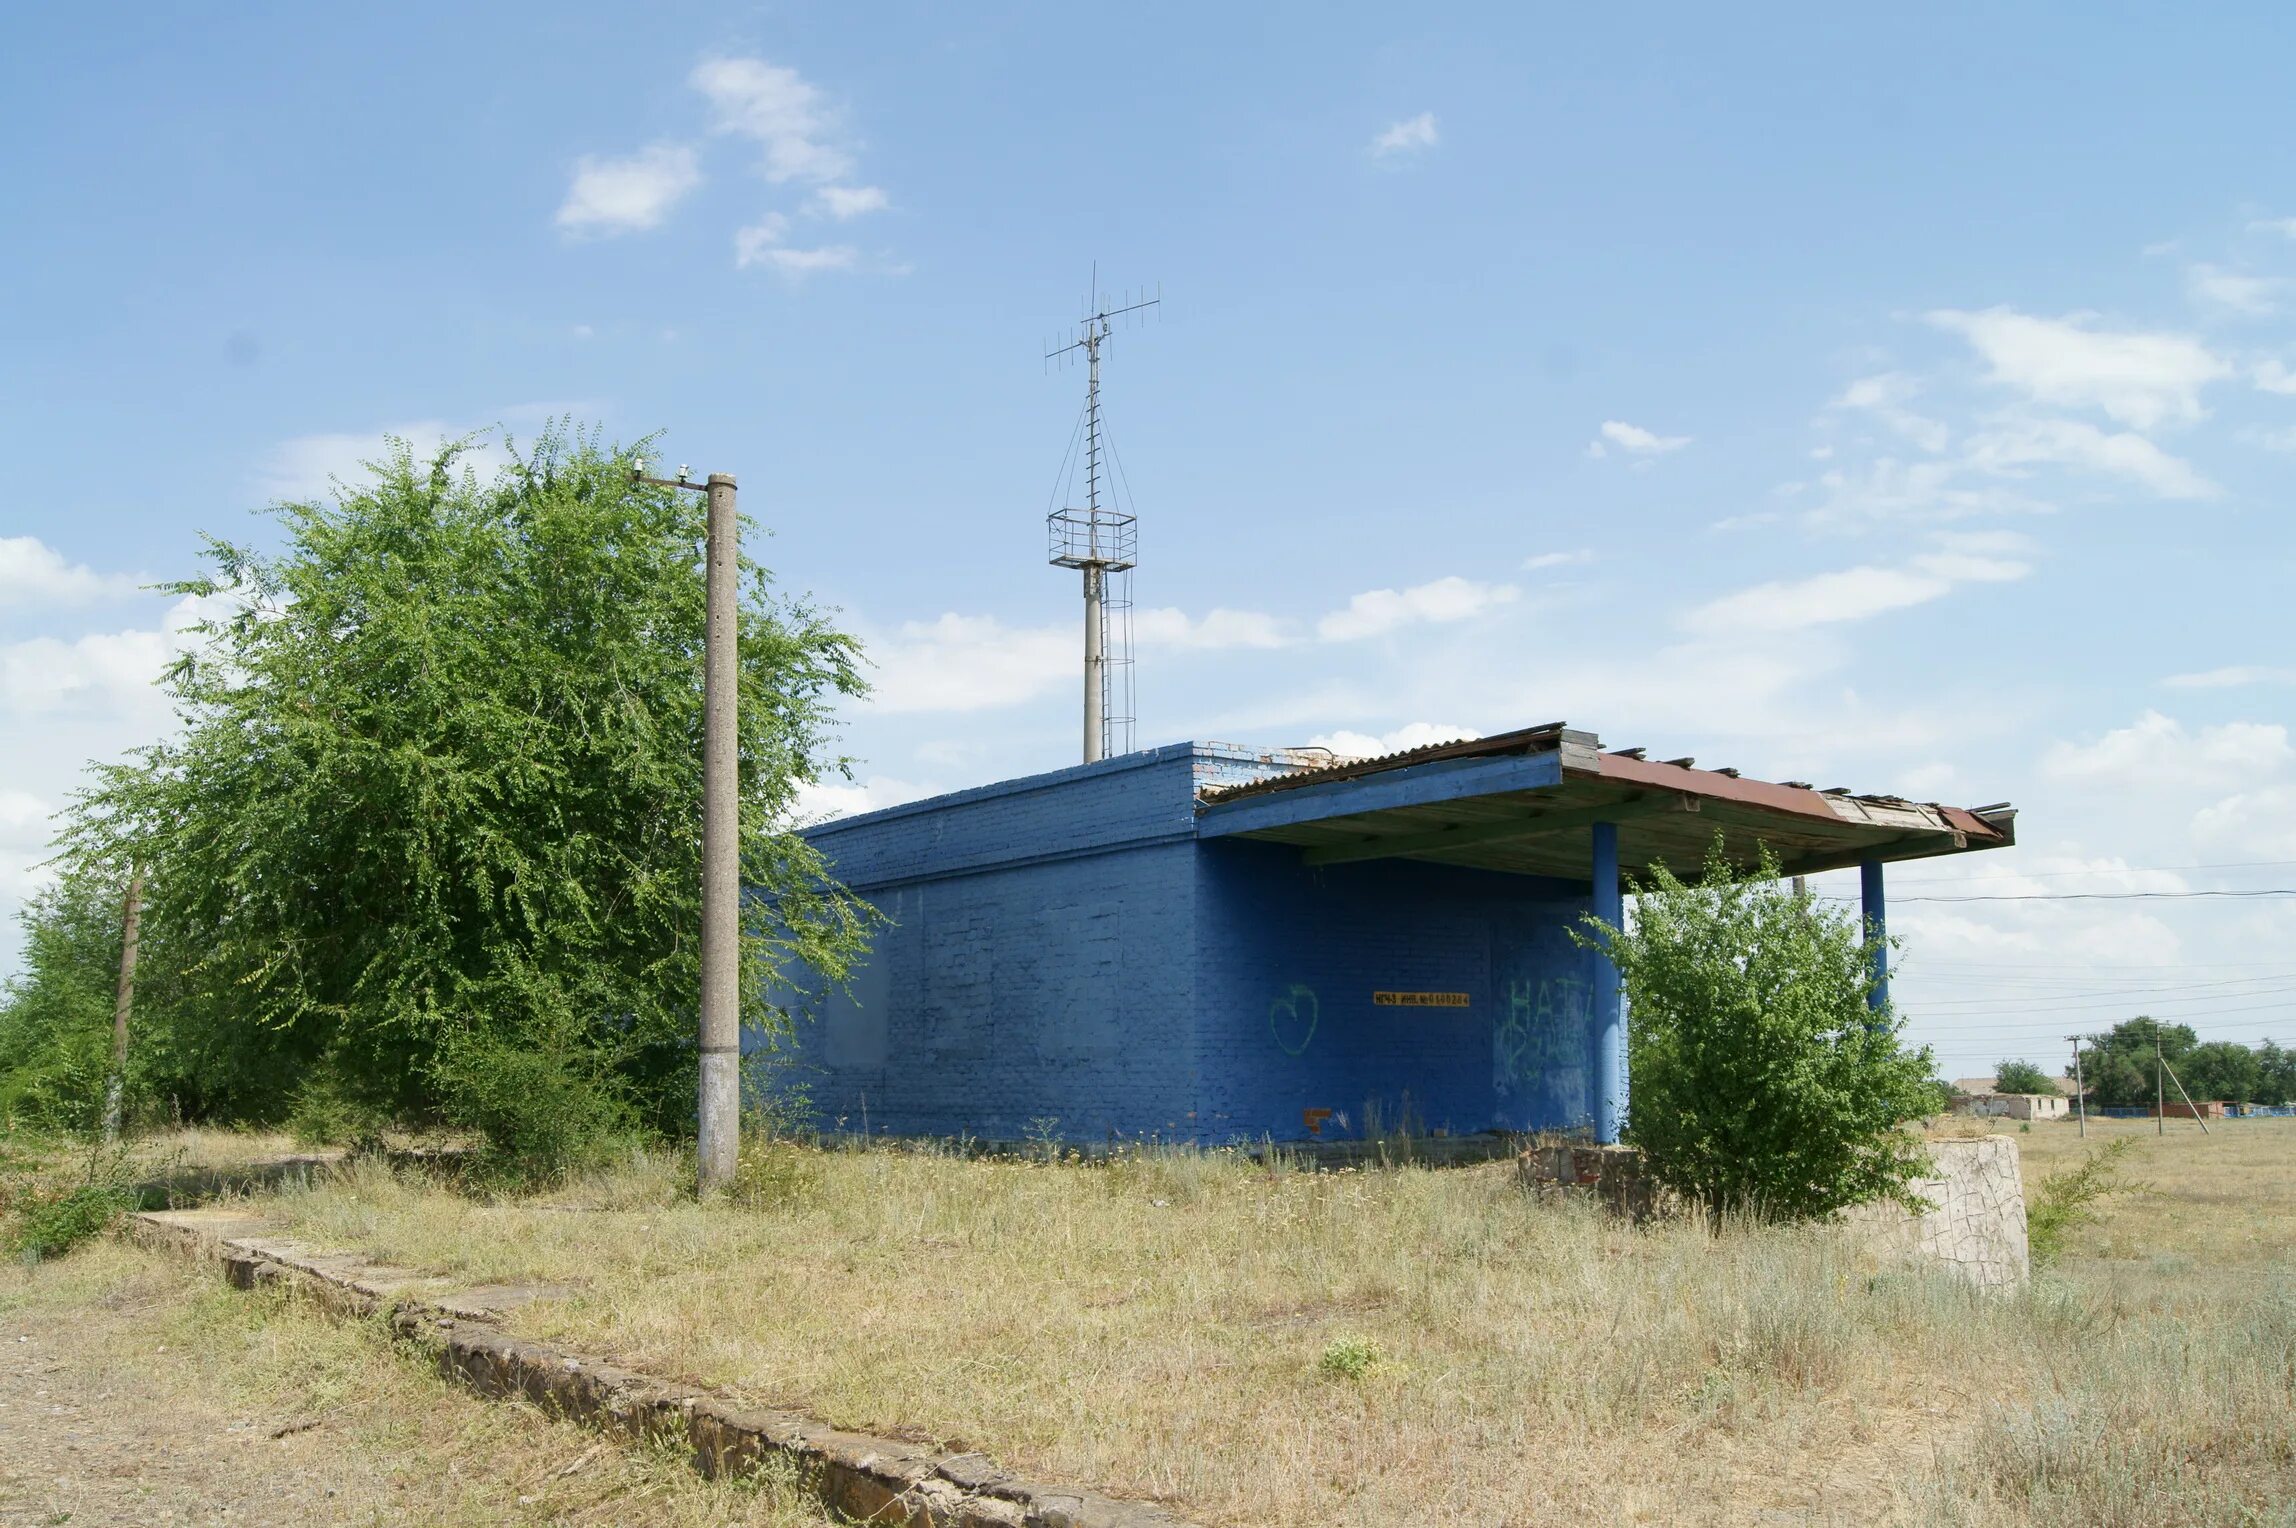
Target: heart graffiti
{"x":1294,"y":1015}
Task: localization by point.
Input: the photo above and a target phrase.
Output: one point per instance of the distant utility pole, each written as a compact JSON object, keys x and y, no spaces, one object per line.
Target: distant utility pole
{"x":131,"y":917}
{"x":719,"y":1116}
{"x":2160,"y":1088}
{"x":2080,"y":1087}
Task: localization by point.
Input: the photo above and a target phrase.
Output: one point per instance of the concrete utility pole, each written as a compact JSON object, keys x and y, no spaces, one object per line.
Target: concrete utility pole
{"x":718,"y":1146}
{"x":2160,"y":1086}
{"x":131,"y":917}
{"x":720,"y":1133}
{"x":2080,"y":1087}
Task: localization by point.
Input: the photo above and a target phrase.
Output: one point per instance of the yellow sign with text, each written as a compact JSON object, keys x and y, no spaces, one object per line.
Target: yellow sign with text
{"x":1419,"y":1000}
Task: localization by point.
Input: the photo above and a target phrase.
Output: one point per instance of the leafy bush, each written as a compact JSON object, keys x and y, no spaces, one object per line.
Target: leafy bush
{"x":2070,"y":1197}
{"x":53,"y":1223}
{"x":543,"y":1111}
{"x":1761,"y":1084}
{"x":327,"y":1113}
{"x":1347,"y":1358}
{"x":48,"y":1213}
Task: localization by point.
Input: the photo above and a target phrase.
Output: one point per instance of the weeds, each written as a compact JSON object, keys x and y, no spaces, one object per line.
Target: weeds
{"x":1347,"y":1358}
{"x":2072,"y":1197}
{"x":52,"y":1214}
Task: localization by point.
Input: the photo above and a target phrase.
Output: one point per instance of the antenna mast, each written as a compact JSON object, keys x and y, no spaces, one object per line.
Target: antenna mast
{"x":1098,"y":540}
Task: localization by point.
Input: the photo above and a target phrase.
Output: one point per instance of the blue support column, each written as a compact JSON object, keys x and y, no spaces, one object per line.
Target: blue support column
{"x":1876,"y":910}
{"x":1609,"y":1020}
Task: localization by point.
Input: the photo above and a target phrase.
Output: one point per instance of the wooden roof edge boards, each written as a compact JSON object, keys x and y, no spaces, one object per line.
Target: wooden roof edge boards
{"x":1997,"y":825}
{"x":1497,"y":834}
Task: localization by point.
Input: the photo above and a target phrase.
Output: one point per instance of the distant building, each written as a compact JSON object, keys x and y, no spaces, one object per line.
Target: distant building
{"x":1208,"y":943}
{"x":1975,"y":1085}
{"x":2017,"y":1105}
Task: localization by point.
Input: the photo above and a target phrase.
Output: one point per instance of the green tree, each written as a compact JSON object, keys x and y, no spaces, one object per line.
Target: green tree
{"x":2275,"y":1074}
{"x":430,"y":838}
{"x":1761,"y":1082}
{"x":2021,"y":1077}
{"x":56,"y":1012}
{"x":2223,"y":1070}
{"x":2119,"y":1063}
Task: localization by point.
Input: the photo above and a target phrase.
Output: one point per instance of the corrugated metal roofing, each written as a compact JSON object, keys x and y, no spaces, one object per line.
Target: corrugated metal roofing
{"x":1535,"y":822}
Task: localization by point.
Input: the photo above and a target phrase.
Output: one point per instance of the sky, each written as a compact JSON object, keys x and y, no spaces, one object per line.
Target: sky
{"x":1898,"y":401}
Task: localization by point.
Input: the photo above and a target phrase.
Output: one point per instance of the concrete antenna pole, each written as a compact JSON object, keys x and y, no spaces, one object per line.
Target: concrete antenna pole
{"x":131,"y":918}
{"x":2080,"y":1085}
{"x":1095,"y":665}
{"x":720,"y":1102}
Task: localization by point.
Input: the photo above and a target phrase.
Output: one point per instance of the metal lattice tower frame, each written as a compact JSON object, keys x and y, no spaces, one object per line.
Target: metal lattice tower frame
{"x":1099,"y":540}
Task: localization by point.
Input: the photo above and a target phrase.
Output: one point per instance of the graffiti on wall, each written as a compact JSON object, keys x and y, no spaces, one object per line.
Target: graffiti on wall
{"x":1292,"y":1018}
{"x":1542,"y":1052}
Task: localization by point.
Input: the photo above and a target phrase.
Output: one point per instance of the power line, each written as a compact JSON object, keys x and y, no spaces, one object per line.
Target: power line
{"x":2056,"y":875}
{"x":2087,"y":896}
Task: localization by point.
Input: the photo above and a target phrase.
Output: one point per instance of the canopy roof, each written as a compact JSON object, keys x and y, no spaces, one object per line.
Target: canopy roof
{"x":1524,"y":802}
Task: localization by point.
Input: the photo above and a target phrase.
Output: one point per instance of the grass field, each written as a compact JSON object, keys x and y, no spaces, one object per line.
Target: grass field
{"x":1412,"y":1346}
{"x":136,"y":1389}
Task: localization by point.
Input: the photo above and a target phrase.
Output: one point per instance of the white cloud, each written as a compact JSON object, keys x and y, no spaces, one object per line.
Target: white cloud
{"x":787,"y":116}
{"x":1166,"y":627}
{"x":1853,"y":594}
{"x":2281,"y":439}
{"x":105,"y":674}
{"x":849,"y":798}
{"x":1634,"y":440}
{"x":842,"y":202}
{"x":634,"y":192}
{"x":2231,"y":678}
{"x":1365,"y":745}
{"x":1409,"y":137}
{"x":25,"y":828}
{"x":34,"y":573}
{"x":969,"y":663}
{"x":1889,"y":489}
{"x":1884,"y":396}
{"x":2159,"y":750}
{"x":1379,"y":611}
{"x":2234,"y":291}
{"x":309,"y":466}
{"x":1540,"y":562}
{"x":2139,"y":379}
{"x":2285,"y":227}
{"x":2254,"y":824}
{"x":760,"y":244}
{"x":2012,"y":445}
{"x":804,"y":262}
{"x":2273,"y":376}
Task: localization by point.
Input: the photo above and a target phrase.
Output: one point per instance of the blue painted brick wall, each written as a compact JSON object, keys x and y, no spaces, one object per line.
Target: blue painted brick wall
{"x":1062,"y":953}
{"x":1034,"y":973}
{"x":1288,"y":960}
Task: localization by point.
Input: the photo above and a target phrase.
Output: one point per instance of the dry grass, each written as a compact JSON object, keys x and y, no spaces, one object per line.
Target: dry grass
{"x":1163,"y":1327}
{"x":136,"y":1389}
{"x":1158,"y":1327}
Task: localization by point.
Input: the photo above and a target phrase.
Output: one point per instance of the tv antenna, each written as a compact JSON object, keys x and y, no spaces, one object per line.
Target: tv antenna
{"x":1098,"y":538}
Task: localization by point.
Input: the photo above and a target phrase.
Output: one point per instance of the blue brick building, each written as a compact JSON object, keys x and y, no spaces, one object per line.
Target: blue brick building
{"x":1204,"y":943}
